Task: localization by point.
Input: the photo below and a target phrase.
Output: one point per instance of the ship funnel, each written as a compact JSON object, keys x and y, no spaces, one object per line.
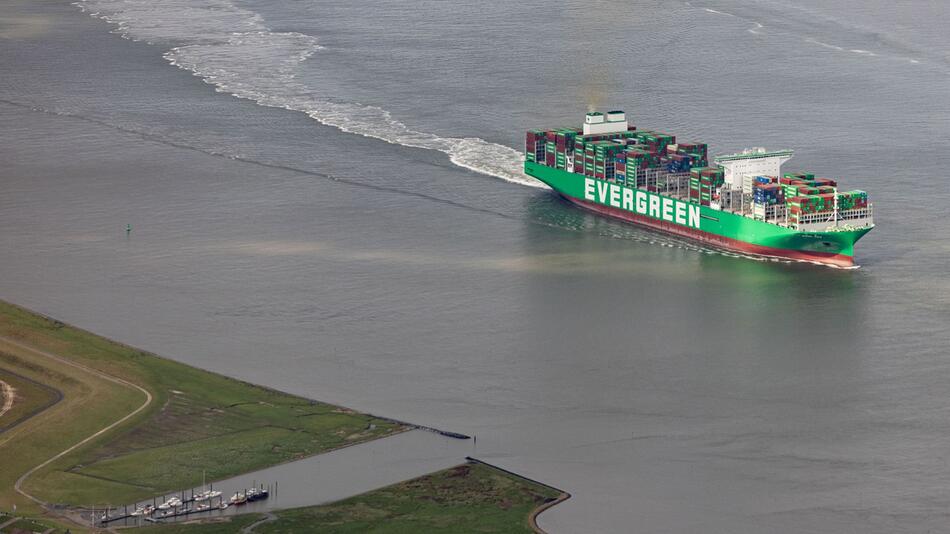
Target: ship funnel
{"x":594,"y":117}
{"x":596,"y":123}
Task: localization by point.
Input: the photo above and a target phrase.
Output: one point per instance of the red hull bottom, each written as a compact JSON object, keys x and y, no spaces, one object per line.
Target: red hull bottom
{"x":718,"y":241}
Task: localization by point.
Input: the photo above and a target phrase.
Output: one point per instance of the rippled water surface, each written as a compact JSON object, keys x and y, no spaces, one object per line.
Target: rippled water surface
{"x":325,"y":198}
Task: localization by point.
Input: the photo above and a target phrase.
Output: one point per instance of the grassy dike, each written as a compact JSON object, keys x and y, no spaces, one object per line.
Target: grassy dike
{"x":469,"y":498}
{"x":196,"y":420}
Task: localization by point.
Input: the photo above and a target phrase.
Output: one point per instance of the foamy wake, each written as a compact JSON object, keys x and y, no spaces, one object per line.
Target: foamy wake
{"x":232,"y":49}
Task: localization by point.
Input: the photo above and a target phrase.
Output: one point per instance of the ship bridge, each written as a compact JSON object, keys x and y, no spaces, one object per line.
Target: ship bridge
{"x":741,"y":169}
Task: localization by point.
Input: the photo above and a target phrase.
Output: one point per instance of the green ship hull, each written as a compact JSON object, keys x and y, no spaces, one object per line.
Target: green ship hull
{"x":720,"y":229}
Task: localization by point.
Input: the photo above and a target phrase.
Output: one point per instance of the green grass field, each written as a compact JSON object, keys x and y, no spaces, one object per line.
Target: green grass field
{"x":28,"y":525}
{"x":30,"y":397}
{"x":227,"y":525}
{"x":469,"y":498}
{"x":198,"y":421}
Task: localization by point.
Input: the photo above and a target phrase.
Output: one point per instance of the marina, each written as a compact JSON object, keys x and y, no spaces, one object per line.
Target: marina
{"x":319,"y":479}
{"x":203,"y":501}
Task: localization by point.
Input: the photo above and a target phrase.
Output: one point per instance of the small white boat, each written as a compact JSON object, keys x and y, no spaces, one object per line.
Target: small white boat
{"x":205,"y":495}
{"x":170,"y":503}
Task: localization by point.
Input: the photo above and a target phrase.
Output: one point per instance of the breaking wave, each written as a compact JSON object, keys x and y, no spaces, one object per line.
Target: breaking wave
{"x":232,"y":49}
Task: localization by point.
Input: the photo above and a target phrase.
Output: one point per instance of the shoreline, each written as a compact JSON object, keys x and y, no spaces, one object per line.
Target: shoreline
{"x":121,"y":428}
{"x":533,"y":518}
{"x":58,"y":323}
{"x":117,"y":429}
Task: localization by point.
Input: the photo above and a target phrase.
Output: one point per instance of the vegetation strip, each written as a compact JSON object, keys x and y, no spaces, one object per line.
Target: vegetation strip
{"x":533,"y":518}
{"x":103,"y":444}
{"x":113,"y":447}
{"x":473,"y":497}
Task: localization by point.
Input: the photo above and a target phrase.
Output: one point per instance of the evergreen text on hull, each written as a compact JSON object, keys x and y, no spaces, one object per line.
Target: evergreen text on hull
{"x":741,"y":202}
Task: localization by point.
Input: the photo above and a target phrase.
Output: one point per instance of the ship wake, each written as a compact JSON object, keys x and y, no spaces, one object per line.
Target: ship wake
{"x":231,"y":48}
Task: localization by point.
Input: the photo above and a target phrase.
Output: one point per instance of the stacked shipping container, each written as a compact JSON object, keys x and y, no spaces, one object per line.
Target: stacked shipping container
{"x":620,"y":156}
{"x":703,"y":181}
{"x":767,"y":191}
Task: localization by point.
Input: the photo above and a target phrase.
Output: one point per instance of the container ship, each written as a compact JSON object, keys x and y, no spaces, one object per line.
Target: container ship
{"x":741,"y":202}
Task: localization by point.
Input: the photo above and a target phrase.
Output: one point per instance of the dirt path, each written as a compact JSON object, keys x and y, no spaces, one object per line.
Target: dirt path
{"x":268,"y":517}
{"x":9,"y":392}
{"x":94,"y":372}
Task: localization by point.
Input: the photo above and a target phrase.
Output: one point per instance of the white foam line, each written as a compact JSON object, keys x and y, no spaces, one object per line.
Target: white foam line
{"x":858,"y":51}
{"x":231,"y":49}
{"x":754,"y":31}
{"x":260,"y":65}
{"x":826,"y":45}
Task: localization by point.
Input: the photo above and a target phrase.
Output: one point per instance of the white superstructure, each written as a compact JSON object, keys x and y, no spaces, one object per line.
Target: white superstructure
{"x":597,"y":123}
{"x":741,"y":169}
